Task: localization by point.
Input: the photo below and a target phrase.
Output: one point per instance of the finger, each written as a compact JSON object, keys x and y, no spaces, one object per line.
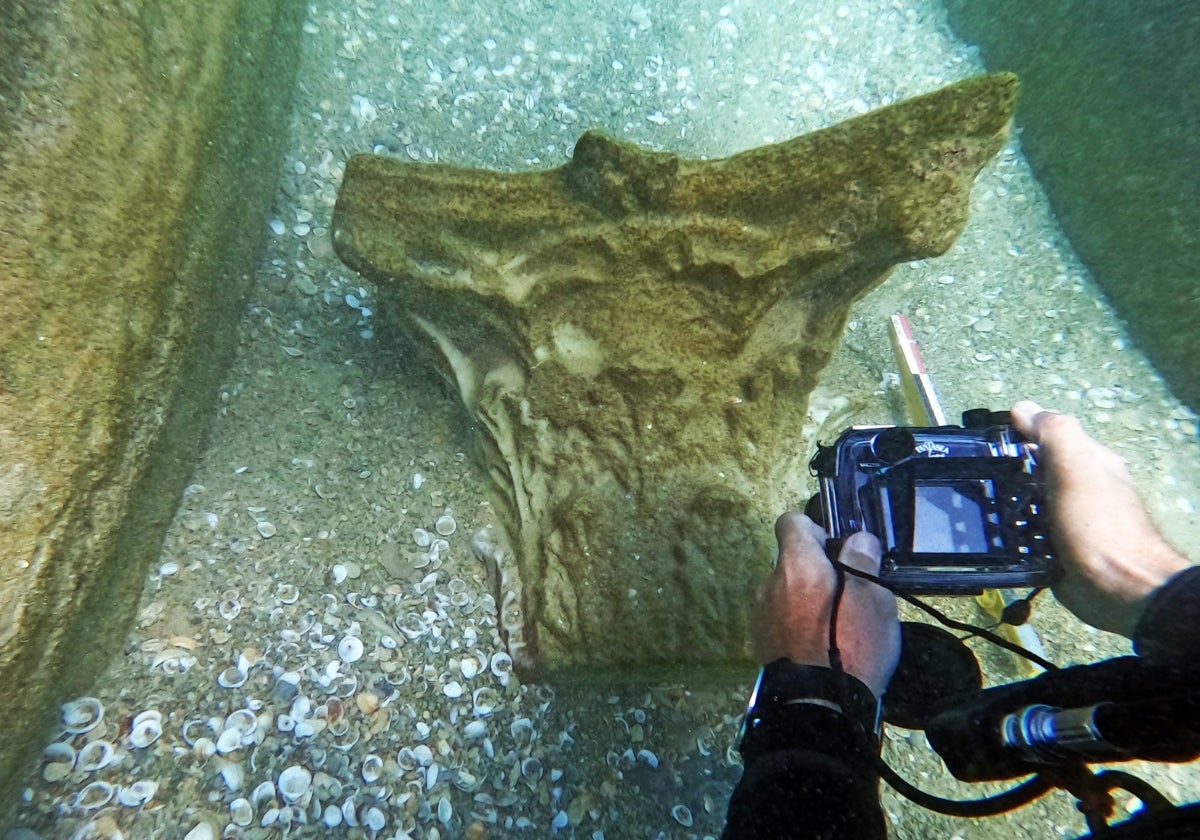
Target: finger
{"x":1025,"y":415}
{"x":798,"y":536}
{"x":862,"y":551}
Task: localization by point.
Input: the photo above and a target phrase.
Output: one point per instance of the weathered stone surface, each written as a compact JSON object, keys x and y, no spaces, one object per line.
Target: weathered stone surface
{"x":139,"y":146}
{"x":636,"y":336}
{"x":1110,"y":121}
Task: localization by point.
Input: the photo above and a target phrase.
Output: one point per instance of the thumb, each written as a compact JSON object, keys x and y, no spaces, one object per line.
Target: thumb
{"x":862,"y":551}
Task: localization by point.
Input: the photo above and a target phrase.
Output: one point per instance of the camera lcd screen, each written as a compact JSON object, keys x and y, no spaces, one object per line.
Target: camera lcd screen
{"x":951,"y":516}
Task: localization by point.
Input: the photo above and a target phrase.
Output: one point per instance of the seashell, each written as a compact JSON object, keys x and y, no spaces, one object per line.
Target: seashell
{"x":522,"y":730}
{"x":350,"y":812}
{"x":332,"y":816}
{"x":406,"y":758}
{"x":374,"y":819}
{"x":372,"y":768}
{"x":423,"y":754}
{"x":502,"y":666}
{"x":648,"y":757}
{"x":229,"y":608}
{"x":475,"y":729}
{"x":560,"y":821}
{"x":94,"y":755}
{"x":469,"y":666}
{"x":60,"y":763}
{"x":205,"y":747}
{"x":232,"y":677}
{"x":265,"y":792}
{"x":233,"y":774}
{"x":96,"y":795}
{"x":287,"y":593}
{"x":338,"y":573}
{"x":444,"y":811}
{"x":484,"y":701}
{"x":682,"y":815}
{"x":422,"y":537}
{"x":426,"y":583}
{"x":204,"y":830}
{"x":265,"y":529}
{"x":285,"y":723}
{"x":242,"y":720}
{"x":137,"y":794}
{"x":350,"y":649}
{"x":445,"y":525}
{"x":229,"y":741}
{"x":146,"y":728}
{"x":460,"y":599}
{"x":388,"y":642}
{"x":82,"y":715}
{"x":294,"y":783}
{"x":431,"y":775}
{"x":453,"y":690}
{"x":241,"y":812}
{"x":531,"y":769}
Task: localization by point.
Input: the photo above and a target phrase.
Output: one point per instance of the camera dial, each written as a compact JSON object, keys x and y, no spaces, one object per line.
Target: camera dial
{"x":891,"y":446}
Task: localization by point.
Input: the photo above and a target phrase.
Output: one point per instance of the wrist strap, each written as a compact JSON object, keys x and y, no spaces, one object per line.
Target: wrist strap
{"x":785,"y":689}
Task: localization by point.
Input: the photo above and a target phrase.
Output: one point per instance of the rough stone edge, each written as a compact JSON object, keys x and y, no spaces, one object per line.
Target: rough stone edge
{"x":133,"y":477}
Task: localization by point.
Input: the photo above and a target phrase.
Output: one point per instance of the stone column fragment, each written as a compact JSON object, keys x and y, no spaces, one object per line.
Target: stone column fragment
{"x":636,"y":336}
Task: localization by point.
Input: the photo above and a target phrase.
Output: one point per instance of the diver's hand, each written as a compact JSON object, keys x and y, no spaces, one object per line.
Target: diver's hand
{"x":794,"y":606}
{"x":1113,"y":557}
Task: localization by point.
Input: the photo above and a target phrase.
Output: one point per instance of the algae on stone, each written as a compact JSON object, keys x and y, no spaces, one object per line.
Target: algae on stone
{"x":636,"y":336}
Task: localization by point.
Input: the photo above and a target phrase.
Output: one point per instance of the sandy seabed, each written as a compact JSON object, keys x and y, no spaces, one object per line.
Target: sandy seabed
{"x":300,"y":529}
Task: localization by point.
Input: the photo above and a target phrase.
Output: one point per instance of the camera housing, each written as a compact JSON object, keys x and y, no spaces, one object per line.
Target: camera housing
{"x":957,"y":509}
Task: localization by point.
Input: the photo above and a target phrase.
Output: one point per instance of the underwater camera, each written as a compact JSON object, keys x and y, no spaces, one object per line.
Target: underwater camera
{"x":957,"y":509}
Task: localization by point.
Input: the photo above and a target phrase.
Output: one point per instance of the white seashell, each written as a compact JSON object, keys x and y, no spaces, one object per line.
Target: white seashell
{"x":265,"y":529}
{"x":241,"y":812}
{"x":406,"y":759}
{"x":423,"y":754}
{"x":146,"y":728}
{"x":648,"y":757}
{"x":202,"y":831}
{"x":445,"y":525}
{"x":229,"y":608}
{"x":469,"y":666}
{"x":445,"y":811}
{"x":502,"y":666}
{"x":205,"y":747}
{"x":426,"y":583}
{"x":372,"y":768}
{"x":96,"y":795}
{"x":475,"y":729}
{"x":231,"y":677}
{"x":350,"y":812}
{"x":94,"y":755}
{"x":422,"y":537}
{"x":287,"y":593}
{"x":338,"y":573}
{"x":234,"y":775}
{"x":431,"y":775}
{"x":682,"y":815}
{"x":229,"y":741}
{"x":374,"y":819}
{"x":265,"y":792}
{"x":82,"y":715}
{"x":484,"y":701}
{"x":453,"y":690}
{"x":332,"y":816}
{"x":243,"y":720}
{"x":560,"y":821}
{"x":294,"y":783}
{"x":388,"y":642}
{"x":350,"y":649}
{"x":137,"y":794}
{"x":285,"y":723}
{"x":60,"y":763}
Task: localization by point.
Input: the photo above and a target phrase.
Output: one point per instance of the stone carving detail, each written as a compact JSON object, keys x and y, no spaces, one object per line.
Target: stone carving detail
{"x":636,"y":336}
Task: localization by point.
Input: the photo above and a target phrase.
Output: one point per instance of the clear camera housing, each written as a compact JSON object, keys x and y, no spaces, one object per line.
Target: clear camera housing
{"x":958,"y":509}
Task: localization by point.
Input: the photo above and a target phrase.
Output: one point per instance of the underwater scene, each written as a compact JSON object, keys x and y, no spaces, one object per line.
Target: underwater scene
{"x":334,"y":642}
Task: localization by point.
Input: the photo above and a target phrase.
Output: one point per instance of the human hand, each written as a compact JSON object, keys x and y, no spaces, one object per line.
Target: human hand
{"x":1113,"y":556}
{"x":795,"y":605}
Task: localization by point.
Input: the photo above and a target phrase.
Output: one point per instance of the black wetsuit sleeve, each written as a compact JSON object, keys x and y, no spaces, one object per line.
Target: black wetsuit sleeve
{"x":820,"y":782}
{"x":1169,"y":625}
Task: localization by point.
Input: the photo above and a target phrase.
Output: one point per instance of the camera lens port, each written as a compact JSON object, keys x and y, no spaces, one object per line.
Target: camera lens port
{"x":892,"y":446}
